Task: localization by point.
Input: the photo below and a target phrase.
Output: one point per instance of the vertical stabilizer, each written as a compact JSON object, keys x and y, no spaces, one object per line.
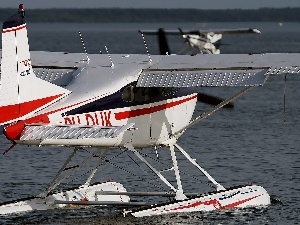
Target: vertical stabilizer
{"x":21,"y":92}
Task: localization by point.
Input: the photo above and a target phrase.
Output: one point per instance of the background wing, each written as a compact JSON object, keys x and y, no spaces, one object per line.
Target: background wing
{"x":199,"y":32}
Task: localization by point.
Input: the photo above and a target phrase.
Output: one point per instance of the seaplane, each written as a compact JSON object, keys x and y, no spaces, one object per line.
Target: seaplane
{"x":204,"y":41}
{"x":108,"y":102}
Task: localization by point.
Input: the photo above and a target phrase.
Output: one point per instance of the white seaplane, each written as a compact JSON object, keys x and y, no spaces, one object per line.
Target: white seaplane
{"x":205,"y":41}
{"x":108,"y":102}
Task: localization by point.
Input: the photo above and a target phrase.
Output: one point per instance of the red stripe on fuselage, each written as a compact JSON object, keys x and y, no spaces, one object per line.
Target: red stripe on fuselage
{"x":11,"y":112}
{"x":43,"y":118}
{"x":140,"y":112}
{"x":14,"y":28}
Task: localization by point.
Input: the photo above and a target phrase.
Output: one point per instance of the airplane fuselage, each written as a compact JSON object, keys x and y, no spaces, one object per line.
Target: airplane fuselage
{"x":106,"y":96}
{"x":154,"y":122}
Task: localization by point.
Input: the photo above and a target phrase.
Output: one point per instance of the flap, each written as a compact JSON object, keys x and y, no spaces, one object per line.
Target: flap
{"x":47,"y":132}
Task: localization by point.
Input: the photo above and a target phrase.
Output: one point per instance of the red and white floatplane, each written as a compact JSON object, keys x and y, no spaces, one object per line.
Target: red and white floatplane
{"x":112,"y":102}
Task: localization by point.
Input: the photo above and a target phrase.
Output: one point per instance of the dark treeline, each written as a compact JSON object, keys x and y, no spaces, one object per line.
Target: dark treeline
{"x":157,"y":15}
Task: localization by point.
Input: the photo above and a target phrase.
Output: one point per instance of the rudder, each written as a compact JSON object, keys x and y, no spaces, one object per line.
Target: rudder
{"x":22,"y":93}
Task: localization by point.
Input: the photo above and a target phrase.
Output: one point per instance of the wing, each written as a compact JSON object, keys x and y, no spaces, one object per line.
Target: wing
{"x":218,"y":70}
{"x":180,"y":70}
{"x":225,"y":31}
{"x":155,"y":32}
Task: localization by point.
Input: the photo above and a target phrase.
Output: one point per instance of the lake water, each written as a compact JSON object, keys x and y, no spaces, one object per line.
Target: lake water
{"x":250,"y":143}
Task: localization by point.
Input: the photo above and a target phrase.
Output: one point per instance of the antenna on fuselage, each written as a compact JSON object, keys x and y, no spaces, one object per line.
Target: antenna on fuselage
{"x":111,"y":62}
{"x":88,"y":59}
{"x":150,"y":60}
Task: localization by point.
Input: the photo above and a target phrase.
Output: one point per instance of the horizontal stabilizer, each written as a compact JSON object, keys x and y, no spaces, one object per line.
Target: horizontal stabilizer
{"x":58,"y":76}
{"x":50,"y":132}
{"x":207,"y":78}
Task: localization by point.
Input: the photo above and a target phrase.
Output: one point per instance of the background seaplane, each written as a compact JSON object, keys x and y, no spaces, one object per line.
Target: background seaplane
{"x":120,"y":101}
{"x":204,"y":41}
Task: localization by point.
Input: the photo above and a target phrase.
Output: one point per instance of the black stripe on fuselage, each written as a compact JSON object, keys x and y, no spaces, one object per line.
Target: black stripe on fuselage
{"x":115,"y":101}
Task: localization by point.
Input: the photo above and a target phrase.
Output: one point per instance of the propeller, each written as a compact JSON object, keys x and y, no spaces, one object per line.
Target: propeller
{"x":212,"y":100}
{"x":184,"y":36}
{"x":163,"y":43}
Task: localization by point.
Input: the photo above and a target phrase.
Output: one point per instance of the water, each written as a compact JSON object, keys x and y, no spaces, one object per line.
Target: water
{"x":250,"y":143}
{"x":124,"y":38}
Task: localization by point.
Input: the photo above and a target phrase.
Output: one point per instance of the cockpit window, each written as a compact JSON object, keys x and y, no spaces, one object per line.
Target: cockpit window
{"x":144,"y":94}
{"x":127,"y":94}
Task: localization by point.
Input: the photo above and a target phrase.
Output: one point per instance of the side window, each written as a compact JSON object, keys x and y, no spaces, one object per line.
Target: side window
{"x":168,"y":91}
{"x":135,"y":94}
{"x":127,"y":94}
{"x":143,"y":94}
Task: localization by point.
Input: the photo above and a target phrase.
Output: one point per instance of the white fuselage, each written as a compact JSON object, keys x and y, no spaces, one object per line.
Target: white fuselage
{"x":153,"y":122}
{"x":95,"y":80}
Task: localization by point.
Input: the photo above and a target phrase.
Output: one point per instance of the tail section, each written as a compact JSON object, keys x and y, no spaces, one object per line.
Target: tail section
{"x":21,"y":93}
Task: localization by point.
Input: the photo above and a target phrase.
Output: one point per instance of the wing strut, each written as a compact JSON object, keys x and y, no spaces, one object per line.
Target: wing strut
{"x":284,"y":111}
{"x":52,"y":185}
{"x":179,"y":192}
{"x":218,"y":186}
{"x":214,"y":109}
{"x":102,"y":157}
{"x":56,"y":180}
{"x":131,"y":148}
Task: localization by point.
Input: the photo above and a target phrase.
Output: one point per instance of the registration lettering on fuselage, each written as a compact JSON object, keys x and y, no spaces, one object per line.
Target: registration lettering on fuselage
{"x":92,"y":119}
